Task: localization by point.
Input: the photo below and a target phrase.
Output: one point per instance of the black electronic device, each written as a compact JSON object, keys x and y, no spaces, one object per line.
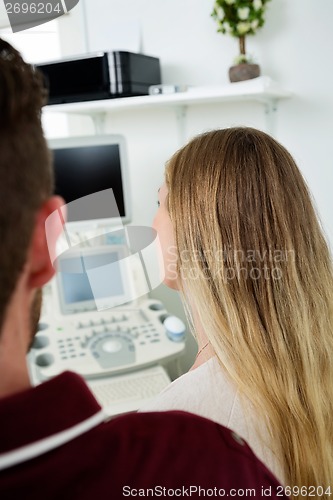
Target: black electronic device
{"x":87,"y":165}
{"x":103,"y":75}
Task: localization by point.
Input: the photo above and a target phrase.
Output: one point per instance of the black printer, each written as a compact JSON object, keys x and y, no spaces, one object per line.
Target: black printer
{"x":103,"y":75}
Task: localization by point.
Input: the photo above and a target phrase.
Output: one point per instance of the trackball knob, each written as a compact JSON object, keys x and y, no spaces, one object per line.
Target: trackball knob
{"x":112,"y":346}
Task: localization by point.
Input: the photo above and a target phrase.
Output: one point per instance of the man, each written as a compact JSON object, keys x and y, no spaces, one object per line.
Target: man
{"x":54,"y":442}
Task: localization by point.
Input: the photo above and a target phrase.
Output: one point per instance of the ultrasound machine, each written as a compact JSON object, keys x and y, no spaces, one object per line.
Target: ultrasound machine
{"x":97,"y":318}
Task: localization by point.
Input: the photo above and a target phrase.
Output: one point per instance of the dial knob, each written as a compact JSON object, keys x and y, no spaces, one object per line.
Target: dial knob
{"x":175,"y":328}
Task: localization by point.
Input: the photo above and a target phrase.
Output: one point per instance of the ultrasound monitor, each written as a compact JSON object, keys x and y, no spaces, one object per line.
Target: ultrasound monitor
{"x":87,"y":165}
{"x":92,"y":279}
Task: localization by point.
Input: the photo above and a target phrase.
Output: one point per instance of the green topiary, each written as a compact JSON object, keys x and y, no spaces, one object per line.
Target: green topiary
{"x":239,"y":18}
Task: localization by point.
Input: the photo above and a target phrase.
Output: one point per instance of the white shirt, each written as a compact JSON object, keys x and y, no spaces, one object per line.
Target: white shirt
{"x":206,"y":391}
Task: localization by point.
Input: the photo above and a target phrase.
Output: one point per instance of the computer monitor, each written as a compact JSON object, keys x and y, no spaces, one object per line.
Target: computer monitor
{"x":84,"y":166}
{"x":90,"y":279}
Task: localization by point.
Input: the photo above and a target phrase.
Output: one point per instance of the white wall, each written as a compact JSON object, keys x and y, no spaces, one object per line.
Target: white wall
{"x":36,"y":46}
{"x":294,"y":48}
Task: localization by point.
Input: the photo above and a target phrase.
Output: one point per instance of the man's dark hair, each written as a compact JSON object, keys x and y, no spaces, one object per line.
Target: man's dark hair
{"x":26,"y":178}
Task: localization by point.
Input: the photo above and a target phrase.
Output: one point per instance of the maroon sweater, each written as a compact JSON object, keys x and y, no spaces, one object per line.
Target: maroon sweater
{"x":55,"y":444}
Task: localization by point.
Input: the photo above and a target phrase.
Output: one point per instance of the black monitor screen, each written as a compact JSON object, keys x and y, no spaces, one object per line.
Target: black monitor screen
{"x":84,"y":170}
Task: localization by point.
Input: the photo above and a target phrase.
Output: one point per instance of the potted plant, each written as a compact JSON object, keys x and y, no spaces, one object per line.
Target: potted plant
{"x":240,"y":18}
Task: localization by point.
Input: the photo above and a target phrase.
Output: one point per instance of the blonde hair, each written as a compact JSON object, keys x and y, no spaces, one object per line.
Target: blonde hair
{"x":258,"y":274}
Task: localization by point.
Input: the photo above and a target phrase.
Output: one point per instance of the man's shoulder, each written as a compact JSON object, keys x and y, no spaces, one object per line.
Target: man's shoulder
{"x":180,"y":448}
{"x":155,"y":451}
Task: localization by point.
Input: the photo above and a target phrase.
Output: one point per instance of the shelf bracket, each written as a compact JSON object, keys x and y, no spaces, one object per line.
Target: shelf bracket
{"x":99,"y":120}
{"x":181,"y":112}
{"x":270,"y":115}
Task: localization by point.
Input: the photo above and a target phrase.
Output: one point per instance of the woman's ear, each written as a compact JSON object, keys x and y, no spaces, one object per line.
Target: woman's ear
{"x":42,"y":246}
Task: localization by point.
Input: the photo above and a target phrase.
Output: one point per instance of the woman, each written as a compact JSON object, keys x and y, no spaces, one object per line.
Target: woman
{"x":242,"y":243}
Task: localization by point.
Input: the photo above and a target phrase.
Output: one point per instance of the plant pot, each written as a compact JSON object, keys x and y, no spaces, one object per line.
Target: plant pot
{"x":243,"y":71}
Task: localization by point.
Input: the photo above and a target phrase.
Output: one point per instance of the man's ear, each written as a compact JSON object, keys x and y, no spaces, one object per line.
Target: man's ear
{"x":40,"y":265}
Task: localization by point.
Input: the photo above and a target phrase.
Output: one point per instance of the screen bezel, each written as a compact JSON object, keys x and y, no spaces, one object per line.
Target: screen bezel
{"x":89,"y":305}
{"x":100,"y":140}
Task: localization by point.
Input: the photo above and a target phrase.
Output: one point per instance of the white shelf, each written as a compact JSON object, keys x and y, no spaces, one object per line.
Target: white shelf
{"x":261,"y":89}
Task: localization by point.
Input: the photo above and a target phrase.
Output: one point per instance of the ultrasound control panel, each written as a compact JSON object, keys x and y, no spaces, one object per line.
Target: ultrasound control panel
{"x":89,"y":326}
{"x":105,"y":343}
